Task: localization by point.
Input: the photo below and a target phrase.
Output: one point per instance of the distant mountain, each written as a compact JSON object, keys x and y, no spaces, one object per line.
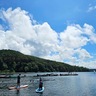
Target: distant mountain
{"x":14,"y":61}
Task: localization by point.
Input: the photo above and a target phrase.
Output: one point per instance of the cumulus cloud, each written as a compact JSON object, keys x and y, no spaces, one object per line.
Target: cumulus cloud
{"x":41,"y":40}
{"x":74,"y":35}
{"x":30,"y":39}
{"x":89,"y":31}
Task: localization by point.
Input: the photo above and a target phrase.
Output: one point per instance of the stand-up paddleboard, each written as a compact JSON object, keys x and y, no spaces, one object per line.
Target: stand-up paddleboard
{"x":39,"y":90}
{"x":17,"y":88}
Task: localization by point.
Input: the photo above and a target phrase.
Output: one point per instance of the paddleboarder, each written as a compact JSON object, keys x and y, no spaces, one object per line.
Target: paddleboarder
{"x":40,"y":84}
{"x":18,"y":80}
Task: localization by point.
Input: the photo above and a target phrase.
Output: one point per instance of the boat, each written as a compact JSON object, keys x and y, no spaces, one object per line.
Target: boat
{"x":50,"y":74}
{"x":38,"y":90}
{"x":4,"y":76}
{"x":68,"y":74}
{"x":17,"y":88}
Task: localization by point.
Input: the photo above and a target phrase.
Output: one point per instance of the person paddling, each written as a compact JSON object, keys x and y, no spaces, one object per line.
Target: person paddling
{"x":40,"y":84}
{"x":18,"y":81}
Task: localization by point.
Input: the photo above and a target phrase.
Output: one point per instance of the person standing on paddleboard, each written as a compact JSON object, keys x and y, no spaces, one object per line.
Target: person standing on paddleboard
{"x":40,"y":84}
{"x":18,"y":80}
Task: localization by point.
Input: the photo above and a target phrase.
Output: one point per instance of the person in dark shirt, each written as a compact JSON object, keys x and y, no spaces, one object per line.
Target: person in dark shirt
{"x":18,"y":80}
{"x":40,"y":84}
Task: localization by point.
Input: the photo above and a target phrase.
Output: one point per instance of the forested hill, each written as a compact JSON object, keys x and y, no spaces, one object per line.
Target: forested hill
{"x":14,"y":61}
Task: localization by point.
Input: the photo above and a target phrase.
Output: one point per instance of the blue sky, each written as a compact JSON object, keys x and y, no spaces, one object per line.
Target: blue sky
{"x":58,"y":13}
{"x":60,"y":30}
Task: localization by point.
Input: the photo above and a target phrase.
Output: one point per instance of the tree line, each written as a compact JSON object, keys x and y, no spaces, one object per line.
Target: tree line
{"x":14,"y":61}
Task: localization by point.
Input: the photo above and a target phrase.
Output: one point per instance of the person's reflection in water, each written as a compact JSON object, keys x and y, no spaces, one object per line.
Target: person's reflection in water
{"x":41,"y":94}
{"x":18,"y":92}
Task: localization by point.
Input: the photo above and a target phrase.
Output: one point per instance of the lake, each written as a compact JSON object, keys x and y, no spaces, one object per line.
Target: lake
{"x":84,"y":84}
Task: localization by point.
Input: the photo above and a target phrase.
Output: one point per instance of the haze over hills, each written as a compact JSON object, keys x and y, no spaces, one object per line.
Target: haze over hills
{"x":14,"y":61}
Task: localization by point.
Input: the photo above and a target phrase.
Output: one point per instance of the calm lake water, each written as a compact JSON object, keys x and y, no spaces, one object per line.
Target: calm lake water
{"x":82,"y":85}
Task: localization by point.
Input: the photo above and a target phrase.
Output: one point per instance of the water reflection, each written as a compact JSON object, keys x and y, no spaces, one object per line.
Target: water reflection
{"x":18,"y":92}
{"x":40,"y":94}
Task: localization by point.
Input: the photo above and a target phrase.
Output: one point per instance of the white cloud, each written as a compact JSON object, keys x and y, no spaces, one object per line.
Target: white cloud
{"x":34,"y":39}
{"x":91,"y":8}
{"x":89,"y":31}
{"x":1,"y":28}
{"x":74,"y":35}
{"x":41,"y":40}
{"x":83,"y":54}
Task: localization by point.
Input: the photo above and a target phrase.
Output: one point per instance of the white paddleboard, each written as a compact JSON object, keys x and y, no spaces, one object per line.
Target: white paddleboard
{"x":39,"y":90}
{"x":17,"y":88}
